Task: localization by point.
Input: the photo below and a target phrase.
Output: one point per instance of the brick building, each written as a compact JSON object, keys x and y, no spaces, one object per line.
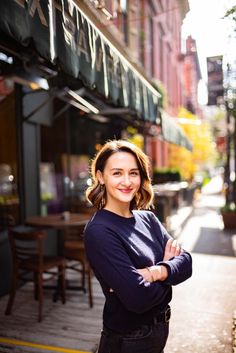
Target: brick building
{"x":152,"y":32}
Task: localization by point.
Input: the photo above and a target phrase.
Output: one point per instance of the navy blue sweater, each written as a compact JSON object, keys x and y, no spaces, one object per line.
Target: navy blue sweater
{"x":116,"y":247}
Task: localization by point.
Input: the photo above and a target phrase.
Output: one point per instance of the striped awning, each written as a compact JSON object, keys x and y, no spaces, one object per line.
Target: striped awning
{"x":173,"y":133}
{"x":61,"y":33}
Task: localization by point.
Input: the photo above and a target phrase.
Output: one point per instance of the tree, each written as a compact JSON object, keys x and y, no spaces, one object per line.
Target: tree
{"x":203,"y":153}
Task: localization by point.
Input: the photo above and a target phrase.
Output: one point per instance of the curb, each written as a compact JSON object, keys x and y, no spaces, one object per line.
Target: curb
{"x":175,"y":230}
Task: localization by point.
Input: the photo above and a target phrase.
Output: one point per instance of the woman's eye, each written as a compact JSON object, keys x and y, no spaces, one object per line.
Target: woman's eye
{"x":135,"y":173}
{"x":116,"y":173}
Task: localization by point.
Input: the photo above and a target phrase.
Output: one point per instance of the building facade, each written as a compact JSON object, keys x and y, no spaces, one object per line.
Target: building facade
{"x":153,"y":36}
{"x":192,"y":76}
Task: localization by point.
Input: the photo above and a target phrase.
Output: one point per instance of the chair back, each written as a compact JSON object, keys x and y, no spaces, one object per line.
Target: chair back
{"x":73,"y":238}
{"x":27,"y":247}
{"x":74,"y":251}
{"x":6,"y":221}
{"x":27,"y":250}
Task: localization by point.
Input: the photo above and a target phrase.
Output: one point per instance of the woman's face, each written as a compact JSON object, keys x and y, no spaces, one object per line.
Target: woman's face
{"x":121,"y":177}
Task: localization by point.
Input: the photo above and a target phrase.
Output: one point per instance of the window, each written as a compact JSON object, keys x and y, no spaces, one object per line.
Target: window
{"x":133,"y":28}
{"x":161,"y":51}
{"x":9,"y":199}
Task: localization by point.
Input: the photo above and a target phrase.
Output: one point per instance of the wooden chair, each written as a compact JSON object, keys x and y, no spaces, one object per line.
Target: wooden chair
{"x":27,"y":251}
{"x":74,"y":252}
{"x":6,"y":221}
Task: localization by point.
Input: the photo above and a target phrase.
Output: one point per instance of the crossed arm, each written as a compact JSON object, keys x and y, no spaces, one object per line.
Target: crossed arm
{"x":116,"y":272}
{"x":160,"y":272}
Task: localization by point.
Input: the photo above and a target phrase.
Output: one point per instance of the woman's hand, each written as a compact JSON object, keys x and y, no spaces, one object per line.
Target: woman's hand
{"x":154,"y":273}
{"x":146,"y":274}
{"x":172,"y":249}
{"x":159,"y":272}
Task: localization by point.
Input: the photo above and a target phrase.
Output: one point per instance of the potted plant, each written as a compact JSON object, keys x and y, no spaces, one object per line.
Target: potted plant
{"x":228,"y":213}
{"x":166,"y":175}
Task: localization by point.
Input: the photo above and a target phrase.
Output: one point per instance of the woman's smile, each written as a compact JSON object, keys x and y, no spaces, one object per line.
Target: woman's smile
{"x":126,"y":191}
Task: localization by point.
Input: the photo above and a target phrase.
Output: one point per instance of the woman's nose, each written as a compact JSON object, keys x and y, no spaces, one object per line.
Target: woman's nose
{"x":126,"y":180}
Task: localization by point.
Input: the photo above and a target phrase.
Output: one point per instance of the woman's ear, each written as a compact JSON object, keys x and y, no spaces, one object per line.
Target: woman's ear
{"x":100,"y":177}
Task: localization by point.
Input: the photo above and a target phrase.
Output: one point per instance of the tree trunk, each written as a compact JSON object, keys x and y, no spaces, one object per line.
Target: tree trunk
{"x":234,"y":182}
{"x":227,"y":164}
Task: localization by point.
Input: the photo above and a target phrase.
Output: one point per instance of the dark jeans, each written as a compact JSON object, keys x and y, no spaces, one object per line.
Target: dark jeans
{"x":146,"y":339}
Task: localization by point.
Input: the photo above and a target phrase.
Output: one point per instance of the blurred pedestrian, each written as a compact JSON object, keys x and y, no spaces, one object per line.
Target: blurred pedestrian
{"x":133,"y":257}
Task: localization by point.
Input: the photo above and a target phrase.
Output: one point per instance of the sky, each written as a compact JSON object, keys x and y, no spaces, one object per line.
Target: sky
{"x":205,"y":24}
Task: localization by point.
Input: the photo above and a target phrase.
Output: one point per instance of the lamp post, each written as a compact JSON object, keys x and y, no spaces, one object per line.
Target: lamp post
{"x":230,"y":169}
{"x":227,"y":163}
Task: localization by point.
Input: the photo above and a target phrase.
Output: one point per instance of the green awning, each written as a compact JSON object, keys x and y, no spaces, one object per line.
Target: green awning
{"x":62,"y":34}
{"x":173,"y":133}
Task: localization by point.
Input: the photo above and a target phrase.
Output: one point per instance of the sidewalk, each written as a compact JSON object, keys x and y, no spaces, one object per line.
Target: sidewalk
{"x":204,"y":306}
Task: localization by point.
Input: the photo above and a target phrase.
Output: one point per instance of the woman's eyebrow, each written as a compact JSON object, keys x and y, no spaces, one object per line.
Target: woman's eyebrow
{"x":122,"y":169}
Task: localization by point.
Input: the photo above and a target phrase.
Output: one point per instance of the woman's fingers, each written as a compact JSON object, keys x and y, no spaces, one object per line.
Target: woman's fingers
{"x":172,"y":249}
{"x":145,"y":273}
{"x":178,"y":249}
{"x":168,"y":249}
{"x":169,"y":244}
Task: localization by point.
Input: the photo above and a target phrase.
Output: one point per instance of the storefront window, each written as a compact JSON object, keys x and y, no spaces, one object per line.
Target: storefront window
{"x":9,"y":199}
{"x":67,"y":147}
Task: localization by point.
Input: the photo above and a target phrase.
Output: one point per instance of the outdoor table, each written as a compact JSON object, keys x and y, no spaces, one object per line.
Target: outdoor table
{"x":163,"y":202}
{"x":166,"y":196}
{"x":58,"y":222}
{"x":171,"y":191}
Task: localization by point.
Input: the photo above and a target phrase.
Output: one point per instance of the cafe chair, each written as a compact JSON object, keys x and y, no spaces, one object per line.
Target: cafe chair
{"x":6,"y":221}
{"x":28,"y":258}
{"x":74,"y":252}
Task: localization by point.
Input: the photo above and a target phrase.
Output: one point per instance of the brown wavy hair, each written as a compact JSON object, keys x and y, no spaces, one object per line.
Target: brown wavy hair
{"x":96,"y":193}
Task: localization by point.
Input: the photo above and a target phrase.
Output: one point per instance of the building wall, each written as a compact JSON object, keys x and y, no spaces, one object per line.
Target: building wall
{"x":150,"y":31}
{"x":166,"y":49}
{"x":192,"y":76}
{"x":162,"y":60}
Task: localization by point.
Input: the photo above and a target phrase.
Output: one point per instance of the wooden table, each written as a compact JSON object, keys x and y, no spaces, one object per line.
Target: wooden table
{"x":57,"y":222}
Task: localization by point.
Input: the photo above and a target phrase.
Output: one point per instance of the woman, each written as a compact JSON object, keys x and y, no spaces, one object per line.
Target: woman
{"x":132,"y":255}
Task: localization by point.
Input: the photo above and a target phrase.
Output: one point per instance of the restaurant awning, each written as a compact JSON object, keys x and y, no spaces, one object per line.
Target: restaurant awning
{"x":173,"y":133}
{"x":62,"y":34}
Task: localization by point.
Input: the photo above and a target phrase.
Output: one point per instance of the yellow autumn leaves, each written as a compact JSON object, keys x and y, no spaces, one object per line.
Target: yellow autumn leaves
{"x":203,"y":154}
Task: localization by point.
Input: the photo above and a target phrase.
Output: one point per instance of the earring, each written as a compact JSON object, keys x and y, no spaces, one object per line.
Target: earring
{"x":102,"y":195}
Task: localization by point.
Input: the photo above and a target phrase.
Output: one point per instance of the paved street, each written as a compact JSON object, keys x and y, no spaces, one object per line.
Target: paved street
{"x":203,"y":306}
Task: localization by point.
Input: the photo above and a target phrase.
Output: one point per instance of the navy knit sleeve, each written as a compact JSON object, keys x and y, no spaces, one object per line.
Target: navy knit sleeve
{"x":179,"y":267}
{"x":114,"y":269}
